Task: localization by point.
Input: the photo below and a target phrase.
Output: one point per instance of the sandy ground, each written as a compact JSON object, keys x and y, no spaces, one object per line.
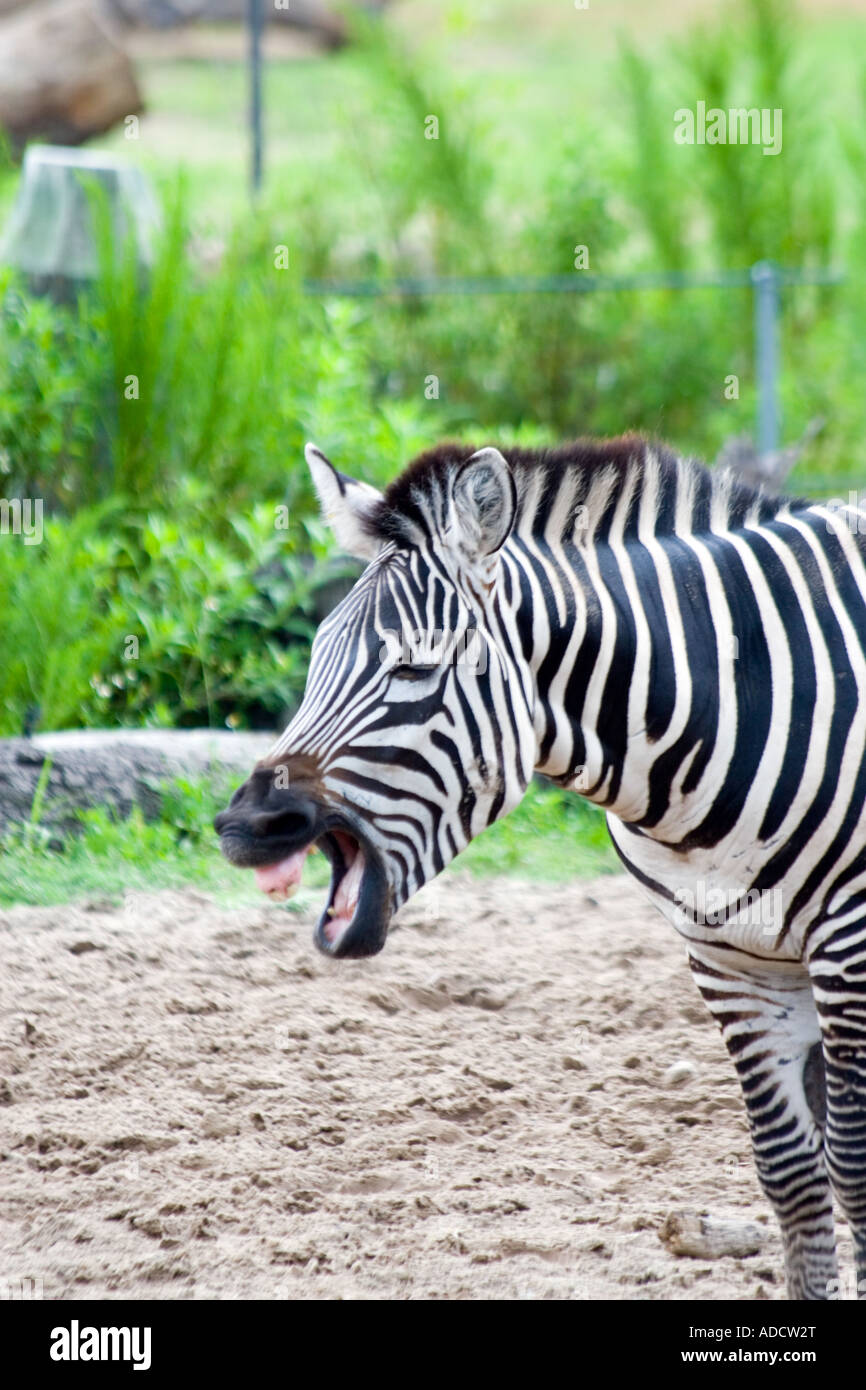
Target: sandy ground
{"x":196,"y":1104}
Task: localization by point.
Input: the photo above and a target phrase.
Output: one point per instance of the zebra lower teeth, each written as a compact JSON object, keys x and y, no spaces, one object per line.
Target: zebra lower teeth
{"x":282,"y":895}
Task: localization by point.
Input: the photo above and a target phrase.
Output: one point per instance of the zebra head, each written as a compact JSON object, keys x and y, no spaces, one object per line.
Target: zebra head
{"x":416,"y":730}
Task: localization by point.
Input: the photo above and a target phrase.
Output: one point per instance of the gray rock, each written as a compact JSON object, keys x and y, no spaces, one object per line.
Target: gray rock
{"x":119,"y":768}
{"x":64,"y":74}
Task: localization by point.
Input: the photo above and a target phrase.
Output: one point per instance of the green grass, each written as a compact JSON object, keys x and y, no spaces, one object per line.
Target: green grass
{"x":551,"y":836}
{"x":110,"y":855}
{"x":108,"y":859}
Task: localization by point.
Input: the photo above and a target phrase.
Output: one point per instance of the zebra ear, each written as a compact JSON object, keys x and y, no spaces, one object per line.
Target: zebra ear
{"x":346,"y":505}
{"x":484,"y":499}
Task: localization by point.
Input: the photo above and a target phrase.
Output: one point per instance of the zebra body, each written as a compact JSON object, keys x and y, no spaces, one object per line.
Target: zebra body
{"x":683,"y":651}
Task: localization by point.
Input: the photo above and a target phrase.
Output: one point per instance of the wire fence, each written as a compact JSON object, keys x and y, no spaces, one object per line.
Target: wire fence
{"x":766,"y":280}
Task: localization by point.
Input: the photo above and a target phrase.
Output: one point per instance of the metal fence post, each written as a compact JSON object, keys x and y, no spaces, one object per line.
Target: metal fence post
{"x":255,"y":28}
{"x":765,"y":278}
{"x":765,"y":281}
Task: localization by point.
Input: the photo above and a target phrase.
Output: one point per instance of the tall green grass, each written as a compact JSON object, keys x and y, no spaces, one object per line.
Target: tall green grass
{"x":56,"y":623}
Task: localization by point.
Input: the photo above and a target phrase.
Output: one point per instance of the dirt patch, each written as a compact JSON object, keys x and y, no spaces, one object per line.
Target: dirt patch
{"x":195,"y":1104}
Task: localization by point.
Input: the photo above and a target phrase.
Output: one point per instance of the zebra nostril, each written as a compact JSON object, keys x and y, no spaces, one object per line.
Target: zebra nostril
{"x":291,"y":824}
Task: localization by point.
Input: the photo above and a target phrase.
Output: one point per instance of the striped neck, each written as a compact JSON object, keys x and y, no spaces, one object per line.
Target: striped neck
{"x":611,"y":575}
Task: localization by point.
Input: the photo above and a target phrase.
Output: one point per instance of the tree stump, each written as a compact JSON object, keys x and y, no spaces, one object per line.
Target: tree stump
{"x":50,"y":235}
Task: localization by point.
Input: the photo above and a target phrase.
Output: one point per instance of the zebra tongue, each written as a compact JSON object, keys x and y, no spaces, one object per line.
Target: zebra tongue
{"x":282,"y":880}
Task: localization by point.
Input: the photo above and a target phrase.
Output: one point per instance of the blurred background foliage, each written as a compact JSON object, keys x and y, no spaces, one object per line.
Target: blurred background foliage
{"x":162,"y":512}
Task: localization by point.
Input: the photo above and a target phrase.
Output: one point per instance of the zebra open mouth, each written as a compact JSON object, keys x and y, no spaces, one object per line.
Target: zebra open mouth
{"x":355,"y":919}
{"x":273,"y":831}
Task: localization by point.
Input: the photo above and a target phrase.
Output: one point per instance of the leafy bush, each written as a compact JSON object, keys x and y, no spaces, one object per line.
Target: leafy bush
{"x":48,"y":418}
{"x":213,"y":633}
{"x":162,"y":418}
{"x":149,"y":620}
{"x":176,"y":593}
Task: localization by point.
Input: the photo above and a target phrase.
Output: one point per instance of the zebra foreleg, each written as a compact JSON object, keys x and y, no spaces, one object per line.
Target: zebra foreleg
{"x":770,"y":1028}
{"x":838,"y":972}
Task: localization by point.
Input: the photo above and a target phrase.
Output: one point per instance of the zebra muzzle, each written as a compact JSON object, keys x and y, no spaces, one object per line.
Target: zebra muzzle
{"x":355,"y":916}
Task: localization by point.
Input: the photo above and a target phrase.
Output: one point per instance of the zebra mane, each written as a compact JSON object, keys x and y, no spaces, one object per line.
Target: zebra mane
{"x":420,"y":493}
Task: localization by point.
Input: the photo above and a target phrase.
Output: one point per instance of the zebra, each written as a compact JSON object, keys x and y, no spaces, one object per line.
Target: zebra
{"x":683,"y":650}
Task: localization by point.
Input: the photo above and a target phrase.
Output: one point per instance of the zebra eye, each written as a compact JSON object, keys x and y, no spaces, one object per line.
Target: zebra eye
{"x":412,"y":671}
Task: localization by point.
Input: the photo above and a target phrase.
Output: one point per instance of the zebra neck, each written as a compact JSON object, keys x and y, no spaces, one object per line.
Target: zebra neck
{"x":601,"y":692}
{"x":629,"y":641}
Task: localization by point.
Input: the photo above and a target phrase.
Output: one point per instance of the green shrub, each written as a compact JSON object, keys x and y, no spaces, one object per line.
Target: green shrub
{"x":48,"y":416}
{"x":212,"y":633}
{"x":55,"y":624}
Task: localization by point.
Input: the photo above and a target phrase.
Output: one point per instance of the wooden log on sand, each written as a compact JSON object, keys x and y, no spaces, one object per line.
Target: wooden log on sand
{"x":710,"y":1237}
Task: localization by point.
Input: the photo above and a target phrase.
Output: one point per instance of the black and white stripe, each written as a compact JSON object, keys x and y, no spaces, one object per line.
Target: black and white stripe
{"x":688,"y":654}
